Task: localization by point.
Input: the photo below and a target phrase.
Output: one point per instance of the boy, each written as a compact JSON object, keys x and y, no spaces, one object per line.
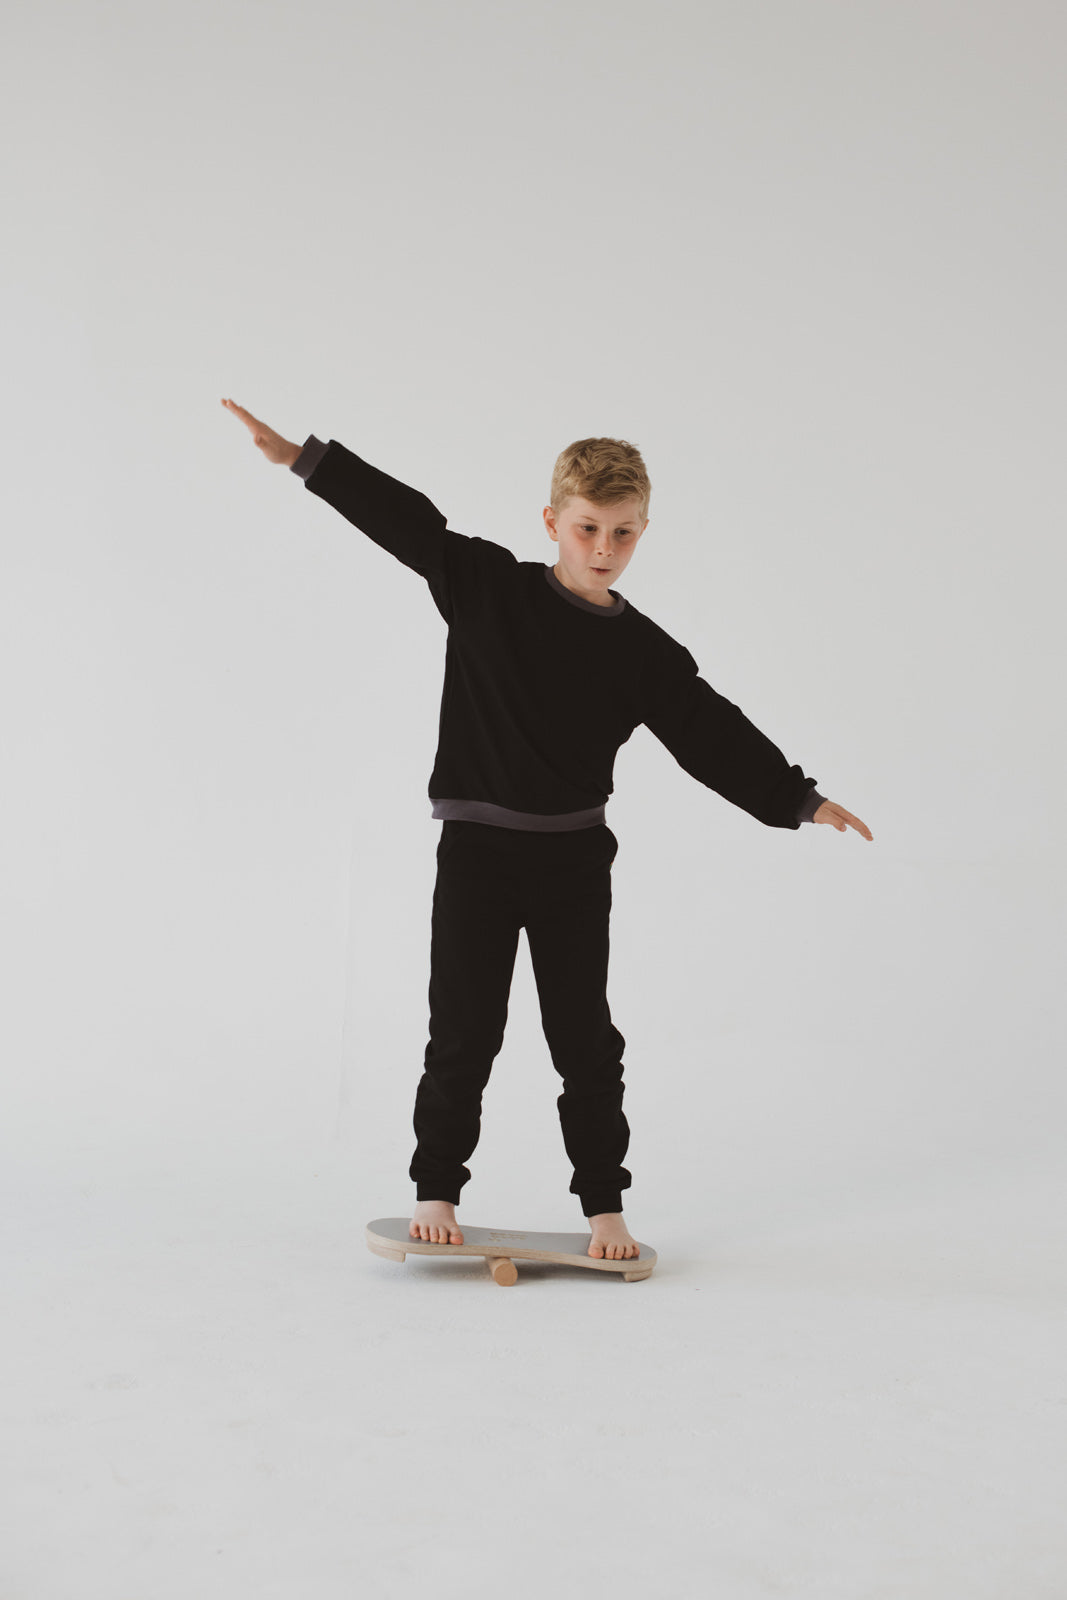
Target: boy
{"x":547,"y":672}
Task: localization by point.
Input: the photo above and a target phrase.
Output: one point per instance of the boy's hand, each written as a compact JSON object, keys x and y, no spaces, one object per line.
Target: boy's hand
{"x":282,"y":452}
{"x":839,"y":818}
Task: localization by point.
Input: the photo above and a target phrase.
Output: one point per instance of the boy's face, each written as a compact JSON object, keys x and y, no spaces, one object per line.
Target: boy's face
{"x":595,"y":544}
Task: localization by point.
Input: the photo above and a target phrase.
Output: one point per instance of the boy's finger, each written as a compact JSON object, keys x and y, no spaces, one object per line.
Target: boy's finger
{"x":246,"y":416}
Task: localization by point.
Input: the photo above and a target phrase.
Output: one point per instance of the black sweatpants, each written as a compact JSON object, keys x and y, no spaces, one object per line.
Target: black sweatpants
{"x":491,"y":882}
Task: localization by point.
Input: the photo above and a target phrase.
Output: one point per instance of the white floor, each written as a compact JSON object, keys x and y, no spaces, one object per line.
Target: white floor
{"x":217,"y":1390}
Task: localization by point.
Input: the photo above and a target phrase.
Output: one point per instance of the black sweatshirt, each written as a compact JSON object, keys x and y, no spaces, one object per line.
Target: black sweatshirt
{"x":542,"y":686}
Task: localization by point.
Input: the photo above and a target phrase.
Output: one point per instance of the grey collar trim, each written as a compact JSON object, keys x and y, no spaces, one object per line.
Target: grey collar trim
{"x":587,"y":605}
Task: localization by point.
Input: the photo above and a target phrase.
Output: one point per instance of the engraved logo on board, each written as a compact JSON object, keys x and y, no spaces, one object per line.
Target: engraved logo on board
{"x":502,"y":1233}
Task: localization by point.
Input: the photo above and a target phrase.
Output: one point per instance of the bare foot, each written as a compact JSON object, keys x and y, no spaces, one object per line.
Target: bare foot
{"x":435,"y":1222}
{"x":612,"y":1239}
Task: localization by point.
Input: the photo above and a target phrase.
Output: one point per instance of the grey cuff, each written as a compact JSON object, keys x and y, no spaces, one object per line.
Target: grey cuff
{"x":810,"y":804}
{"x":309,"y":457}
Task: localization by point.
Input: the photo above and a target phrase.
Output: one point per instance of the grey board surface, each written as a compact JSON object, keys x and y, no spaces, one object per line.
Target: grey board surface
{"x":516,"y":1244}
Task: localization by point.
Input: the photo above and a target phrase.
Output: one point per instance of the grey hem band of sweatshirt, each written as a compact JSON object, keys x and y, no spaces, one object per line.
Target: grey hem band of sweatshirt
{"x":483,"y":810}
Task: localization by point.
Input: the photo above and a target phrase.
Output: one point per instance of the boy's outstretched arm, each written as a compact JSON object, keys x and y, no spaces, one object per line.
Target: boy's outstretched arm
{"x":399,"y":519}
{"x":841,"y":819}
{"x":713,"y":740}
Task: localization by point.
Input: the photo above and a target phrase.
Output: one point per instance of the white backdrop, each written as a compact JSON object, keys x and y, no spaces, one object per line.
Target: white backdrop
{"x":810,"y":259}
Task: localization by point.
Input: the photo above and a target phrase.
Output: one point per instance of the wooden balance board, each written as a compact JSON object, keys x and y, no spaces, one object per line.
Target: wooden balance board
{"x":502,"y":1247}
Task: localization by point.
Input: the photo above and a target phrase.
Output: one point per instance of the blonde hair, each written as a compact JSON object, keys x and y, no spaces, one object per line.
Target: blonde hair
{"x":603,"y":471}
